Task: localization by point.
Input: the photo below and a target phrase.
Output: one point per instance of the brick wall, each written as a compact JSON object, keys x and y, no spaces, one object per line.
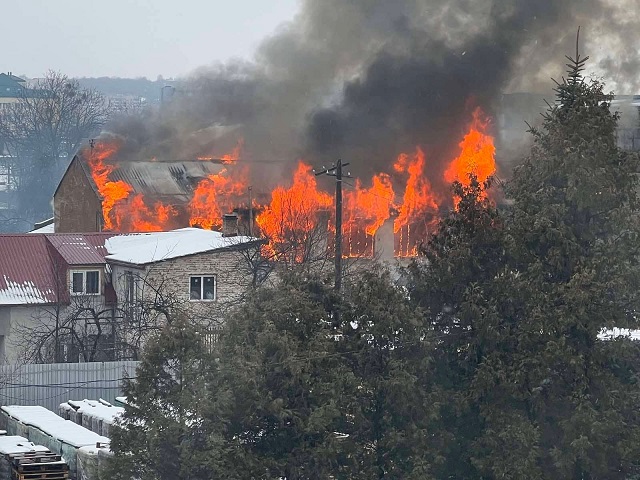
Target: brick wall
{"x":76,"y":206}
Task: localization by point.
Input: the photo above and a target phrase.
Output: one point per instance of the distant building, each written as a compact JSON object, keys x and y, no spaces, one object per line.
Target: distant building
{"x":12,"y":88}
{"x":122,"y":103}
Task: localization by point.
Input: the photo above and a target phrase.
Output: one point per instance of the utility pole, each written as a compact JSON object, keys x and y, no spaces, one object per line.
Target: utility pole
{"x":336,"y":171}
{"x":250,"y":211}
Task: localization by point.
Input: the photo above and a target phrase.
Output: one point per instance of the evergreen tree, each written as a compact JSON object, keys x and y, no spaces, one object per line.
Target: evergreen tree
{"x":385,"y":404}
{"x":280,"y":376}
{"x":163,"y":434}
{"x":457,"y":282}
{"x":526,"y":388}
{"x":575,"y":230}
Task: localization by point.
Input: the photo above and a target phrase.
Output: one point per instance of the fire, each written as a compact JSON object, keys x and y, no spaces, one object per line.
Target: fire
{"x":295,"y":218}
{"x":419,"y":205}
{"x":228,"y":158}
{"x":215,"y":195}
{"x":477,"y":154}
{"x":365,"y":211}
{"x":418,"y":198}
{"x":291,"y":219}
{"x":136,"y":216}
{"x":112,"y":193}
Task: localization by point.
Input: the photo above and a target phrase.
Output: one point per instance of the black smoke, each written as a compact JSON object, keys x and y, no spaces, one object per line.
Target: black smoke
{"x":364,"y":80}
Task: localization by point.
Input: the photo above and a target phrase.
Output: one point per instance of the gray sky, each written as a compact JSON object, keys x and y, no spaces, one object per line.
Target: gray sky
{"x":131,"y":38}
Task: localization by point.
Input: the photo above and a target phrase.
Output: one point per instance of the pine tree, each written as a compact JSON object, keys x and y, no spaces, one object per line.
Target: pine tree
{"x":574,"y":233}
{"x":526,"y":388}
{"x":457,"y":283}
{"x":163,"y":433}
{"x":280,"y":377}
{"x":385,"y":404}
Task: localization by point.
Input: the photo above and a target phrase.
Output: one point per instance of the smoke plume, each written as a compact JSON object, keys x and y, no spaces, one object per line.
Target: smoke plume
{"x":364,"y":80}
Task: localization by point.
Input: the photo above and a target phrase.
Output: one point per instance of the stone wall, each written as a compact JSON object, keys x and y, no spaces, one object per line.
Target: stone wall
{"x":171,"y":278}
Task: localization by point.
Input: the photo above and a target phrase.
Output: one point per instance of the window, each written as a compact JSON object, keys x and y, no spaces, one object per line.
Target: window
{"x":129,"y":287}
{"x":130,"y":294}
{"x":202,"y":287}
{"x":85,"y":282}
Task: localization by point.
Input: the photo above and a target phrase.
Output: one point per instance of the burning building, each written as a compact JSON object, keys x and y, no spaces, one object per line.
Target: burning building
{"x":392,"y":89}
{"x":134,"y":196}
{"x":393,"y":211}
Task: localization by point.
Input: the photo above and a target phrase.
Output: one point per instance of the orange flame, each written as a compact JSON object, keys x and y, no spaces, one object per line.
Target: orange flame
{"x":227,"y":158}
{"x":477,"y":154}
{"x":111,"y":192}
{"x":366,"y":210}
{"x":418,"y":198}
{"x":215,"y":195}
{"x":292,"y":216}
{"x":136,"y":216}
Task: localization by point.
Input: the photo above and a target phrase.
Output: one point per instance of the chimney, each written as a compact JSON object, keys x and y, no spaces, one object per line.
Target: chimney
{"x":229,"y":225}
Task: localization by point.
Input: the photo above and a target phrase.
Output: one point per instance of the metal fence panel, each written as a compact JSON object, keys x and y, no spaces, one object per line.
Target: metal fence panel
{"x":50,"y":385}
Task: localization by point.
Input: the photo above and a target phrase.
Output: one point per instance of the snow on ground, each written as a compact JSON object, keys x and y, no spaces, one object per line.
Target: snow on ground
{"x":619,"y":332}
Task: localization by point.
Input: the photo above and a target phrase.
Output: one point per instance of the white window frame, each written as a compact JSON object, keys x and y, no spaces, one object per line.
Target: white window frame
{"x":202,"y":277}
{"x":84,"y":281}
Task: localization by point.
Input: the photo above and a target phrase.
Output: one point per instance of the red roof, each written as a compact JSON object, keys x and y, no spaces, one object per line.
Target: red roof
{"x":33,"y":266}
{"x":27,"y":275}
{"x":80,"y":249}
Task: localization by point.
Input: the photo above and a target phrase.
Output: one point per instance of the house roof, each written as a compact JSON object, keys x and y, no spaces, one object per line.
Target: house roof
{"x":160,"y":178}
{"x":8,"y":78}
{"x":26,"y":270}
{"x":145,"y":248}
{"x":46,"y":229}
{"x":177,"y":179}
{"x":80,"y":249}
{"x":14,"y":87}
{"x":32,"y":265}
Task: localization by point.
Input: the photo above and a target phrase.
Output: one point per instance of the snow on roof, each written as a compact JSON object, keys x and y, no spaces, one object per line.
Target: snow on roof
{"x":19,"y":293}
{"x":95,"y":409}
{"x":46,"y":229}
{"x":26,"y":272}
{"x":143,"y":248}
{"x":18,"y":444}
{"x":64,"y":430}
{"x":77,"y":249}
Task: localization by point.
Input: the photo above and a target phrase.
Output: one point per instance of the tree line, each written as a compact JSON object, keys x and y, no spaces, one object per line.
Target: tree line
{"x":484,"y":359}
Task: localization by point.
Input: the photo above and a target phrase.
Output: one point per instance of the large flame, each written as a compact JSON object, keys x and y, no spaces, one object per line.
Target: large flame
{"x":112,"y":193}
{"x":216,"y":195}
{"x":477,"y":154}
{"x":292,"y":218}
{"x":296,"y":216}
{"x":365,"y":211}
{"x":136,"y":216}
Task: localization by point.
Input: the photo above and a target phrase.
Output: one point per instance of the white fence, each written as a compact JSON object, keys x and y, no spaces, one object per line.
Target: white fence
{"x":50,"y":385}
